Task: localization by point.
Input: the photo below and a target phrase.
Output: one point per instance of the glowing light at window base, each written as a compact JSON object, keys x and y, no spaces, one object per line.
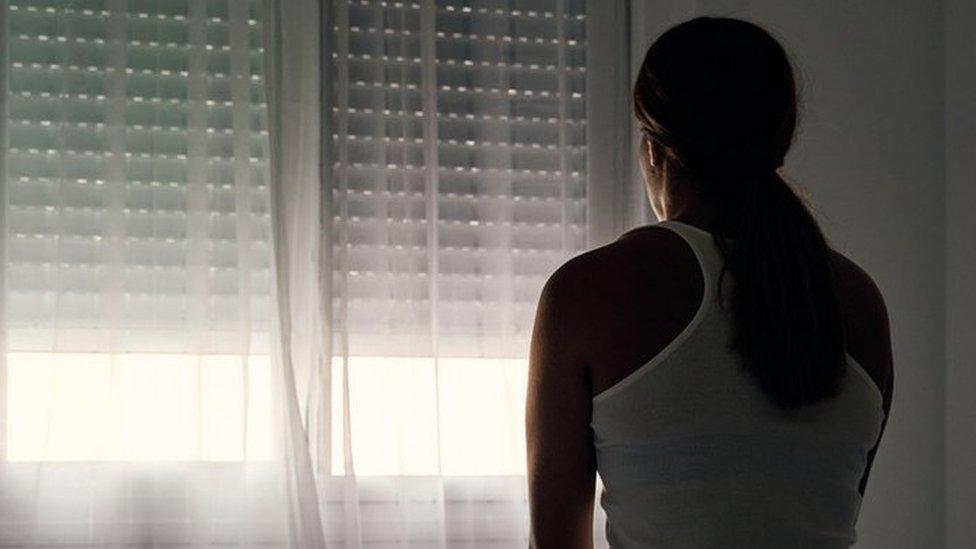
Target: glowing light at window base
{"x":181,"y":407}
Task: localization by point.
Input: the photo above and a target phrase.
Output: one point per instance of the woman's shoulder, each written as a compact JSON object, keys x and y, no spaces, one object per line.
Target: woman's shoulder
{"x":637,"y":255}
{"x":859,"y":294}
{"x":854,"y":277}
{"x":649,"y":241}
{"x":866,"y":323}
{"x":626,"y":300}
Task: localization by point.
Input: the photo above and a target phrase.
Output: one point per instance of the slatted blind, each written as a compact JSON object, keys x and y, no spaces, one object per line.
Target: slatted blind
{"x":458,"y":169}
{"x":137,"y":202}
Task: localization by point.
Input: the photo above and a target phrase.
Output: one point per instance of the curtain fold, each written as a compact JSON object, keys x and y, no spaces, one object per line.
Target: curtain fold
{"x":299,"y":212}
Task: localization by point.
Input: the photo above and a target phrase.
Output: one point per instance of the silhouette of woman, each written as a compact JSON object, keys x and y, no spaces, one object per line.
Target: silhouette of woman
{"x":725,"y":371}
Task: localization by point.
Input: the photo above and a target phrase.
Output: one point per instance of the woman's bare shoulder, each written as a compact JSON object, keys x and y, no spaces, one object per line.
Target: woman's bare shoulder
{"x":858,"y":290}
{"x":634,"y":261}
{"x":638,"y":247}
{"x":627,"y":298}
{"x":866,"y":323}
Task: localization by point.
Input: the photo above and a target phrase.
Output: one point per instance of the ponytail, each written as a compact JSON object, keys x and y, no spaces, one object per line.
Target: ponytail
{"x":788,"y":326}
{"x":718,"y":96}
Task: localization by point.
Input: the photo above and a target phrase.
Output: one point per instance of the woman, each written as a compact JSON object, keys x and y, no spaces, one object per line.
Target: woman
{"x":726,"y":372}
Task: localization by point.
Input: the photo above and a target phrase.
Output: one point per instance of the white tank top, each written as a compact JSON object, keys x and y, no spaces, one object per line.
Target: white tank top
{"x":692,"y":454}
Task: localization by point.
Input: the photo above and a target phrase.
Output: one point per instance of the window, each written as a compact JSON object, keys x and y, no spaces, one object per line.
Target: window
{"x":458,"y":154}
{"x":138,"y":302}
{"x":137,"y":231}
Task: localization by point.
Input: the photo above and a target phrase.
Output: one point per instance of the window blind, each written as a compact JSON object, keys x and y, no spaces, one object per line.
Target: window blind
{"x":458,"y":155}
{"x":137,"y":202}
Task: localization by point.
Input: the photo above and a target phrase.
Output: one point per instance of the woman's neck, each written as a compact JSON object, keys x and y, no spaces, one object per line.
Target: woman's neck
{"x":703,"y":219}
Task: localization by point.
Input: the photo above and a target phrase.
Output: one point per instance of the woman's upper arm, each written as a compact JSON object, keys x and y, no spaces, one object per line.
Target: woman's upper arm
{"x":561,"y":464}
{"x":868,"y":338}
{"x":882,"y":368}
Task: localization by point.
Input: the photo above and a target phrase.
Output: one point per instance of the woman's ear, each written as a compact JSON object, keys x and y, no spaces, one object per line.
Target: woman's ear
{"x":655,"y":153}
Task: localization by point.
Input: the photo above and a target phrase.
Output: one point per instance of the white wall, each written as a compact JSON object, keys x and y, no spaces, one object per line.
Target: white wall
{"x":960,"y":273}
{"x":870,"y":154}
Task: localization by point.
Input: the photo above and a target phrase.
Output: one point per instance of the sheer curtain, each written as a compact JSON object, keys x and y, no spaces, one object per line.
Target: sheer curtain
{"x":456,"y":149}
{"x":270,"y":266}
{"x":144,"y":399}
{"x":451,"y":178}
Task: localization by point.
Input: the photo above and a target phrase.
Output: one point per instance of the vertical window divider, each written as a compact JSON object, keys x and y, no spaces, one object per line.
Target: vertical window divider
{"x":59,"y":206}
{"x":241,"y":123}
{"x":428,"y":55}
{"x":4,"y":69}
{"x":342,"y":176}
{"x":353,"y":530}
{"x":196,"y":200}
{"x":510,"y":218}
{"x":563,"y":90}
{"x":115,"y":187}
{"x":326,"y":251}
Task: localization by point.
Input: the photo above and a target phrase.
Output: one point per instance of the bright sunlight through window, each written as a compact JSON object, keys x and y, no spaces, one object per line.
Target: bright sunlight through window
{"x":156,"y":407}
{"x":137,"y":407}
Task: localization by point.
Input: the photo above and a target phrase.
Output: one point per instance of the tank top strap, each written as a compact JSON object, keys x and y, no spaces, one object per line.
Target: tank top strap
{"x":702,"y":243}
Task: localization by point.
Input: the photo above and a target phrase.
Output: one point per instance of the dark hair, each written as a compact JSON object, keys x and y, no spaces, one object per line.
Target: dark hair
{"x":718,"y":95}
